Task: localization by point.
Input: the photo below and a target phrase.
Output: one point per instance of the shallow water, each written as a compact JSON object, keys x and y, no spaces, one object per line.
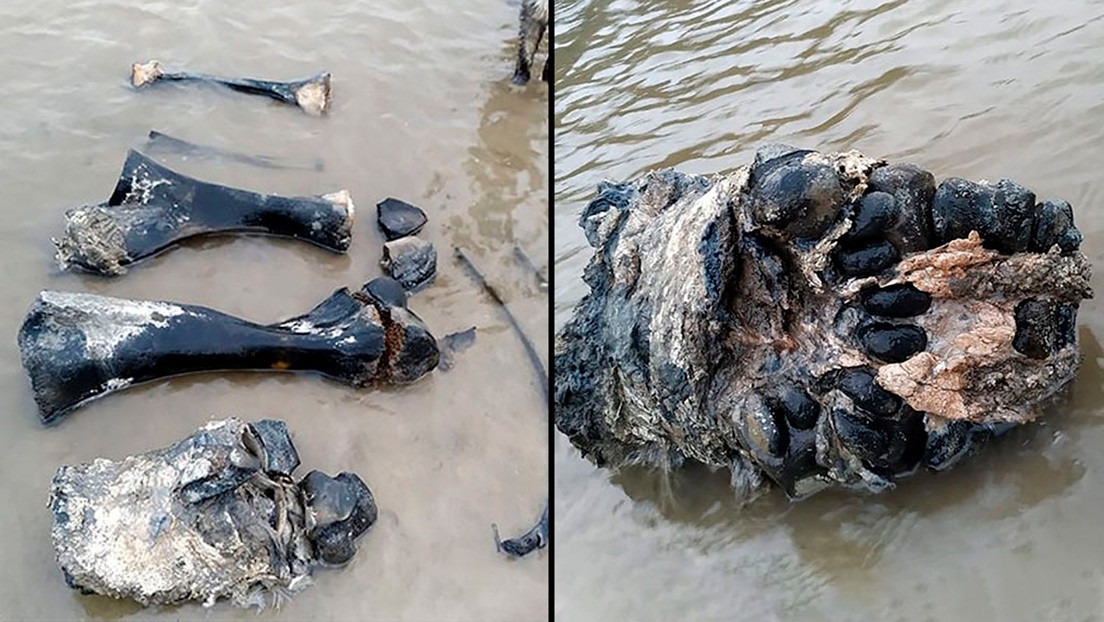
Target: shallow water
{"x":421,"y":111}
{"x":1004,"y":89}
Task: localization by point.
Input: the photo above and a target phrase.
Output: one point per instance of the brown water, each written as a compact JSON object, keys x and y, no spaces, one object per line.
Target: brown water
{"x":1009,"y":88}
{"x":421,"y":111}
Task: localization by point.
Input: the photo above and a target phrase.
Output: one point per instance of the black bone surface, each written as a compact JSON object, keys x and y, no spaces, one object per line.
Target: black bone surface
{"x":537,"y":536}
{"x":153,"y":208}
{"x":520,"y":546}
{"x":76,"y":347}
{"x":398,"y":219}
{"x":311,"y":94}
{"x":454,"y":343}
{"x":203,"y":519}
{"x":532,"y":23}
{"x":756,"y":320}
{"x":159,"y":142}
{"x":411,"y":261}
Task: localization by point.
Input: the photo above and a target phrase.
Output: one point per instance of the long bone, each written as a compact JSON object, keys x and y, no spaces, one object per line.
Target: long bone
{"x":153,"y":208}
{"x":311,"y":94}
{"x":77,"y":347}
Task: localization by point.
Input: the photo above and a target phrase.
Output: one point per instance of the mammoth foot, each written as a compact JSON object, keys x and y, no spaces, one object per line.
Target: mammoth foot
{"x":217,"y":515}
{"x":817,"y":320}
{"x":79,"y":347}
{"x":154,"y":208}
{"x":311,"y":94}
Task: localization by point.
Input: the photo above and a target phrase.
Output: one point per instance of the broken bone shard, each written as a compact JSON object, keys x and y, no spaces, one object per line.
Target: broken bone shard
{"x":311,"y":94}
{"x":206,"y":518}
{"x":526,"y":543}
{"x":398,"y":219}
{"x":77,"y":347}
{"x":411,"y":261}
{"x":153,"y":208}
{"x":452,"y":344}
{"x":816,"y":320}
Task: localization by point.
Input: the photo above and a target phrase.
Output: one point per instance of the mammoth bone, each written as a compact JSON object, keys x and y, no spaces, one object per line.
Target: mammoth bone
{"x":816,"y":320}
{"x":311,"y":94}
{"x":216,"y":515}
{"x":153,"y":208}
{"x":78,"y":347}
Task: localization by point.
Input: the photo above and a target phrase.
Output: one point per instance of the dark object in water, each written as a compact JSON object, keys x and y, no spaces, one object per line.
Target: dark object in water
{"x":411,"y":261}
{"x":311,"y":94}
{"x":79,"y":347}
{"x":154,"y":208}
{"x":523,"y":257}
{"x":160,"y":142}
{"x":538,"y":536}
{"x":216,"y":515}
{"x":816,"y":320}
{"x":535,"y":538}
{"x":453,"y":343}
{"x":398,"y":219}
{"x":532,"y":24}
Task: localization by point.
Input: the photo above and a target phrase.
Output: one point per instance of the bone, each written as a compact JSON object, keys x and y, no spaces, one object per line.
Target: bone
{"x":454,"y":343}
{"x":159,"y":142}
{"x":816,"y":320}
{"x":533,"y":22}
{"x":79,"y":347}
{"x":186,"y":522}
{"x":311,"y":94}
{"x":398,"y":219}
{"x":538,"y":536}
{"x":154,"y":208}
{"x":411,"y":261}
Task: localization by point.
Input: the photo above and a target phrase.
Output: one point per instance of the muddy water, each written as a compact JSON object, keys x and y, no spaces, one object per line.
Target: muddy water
{"x":1008,"y":88}
{"x":421,"y":111}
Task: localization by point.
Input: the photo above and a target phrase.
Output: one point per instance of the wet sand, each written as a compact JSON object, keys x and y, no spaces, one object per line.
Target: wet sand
{"x":1012,"y":89}
{"x":422,"y":111}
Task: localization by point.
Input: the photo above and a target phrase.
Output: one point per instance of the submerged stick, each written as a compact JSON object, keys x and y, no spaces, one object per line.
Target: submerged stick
{"x":154,"y":208}
{"x":80,"y":347}
{"x":159,"y":141}
{"x":538,"y":536}
{"x":527,"y":261}
{"x":311,"y":94}
{"x":215,"y":515}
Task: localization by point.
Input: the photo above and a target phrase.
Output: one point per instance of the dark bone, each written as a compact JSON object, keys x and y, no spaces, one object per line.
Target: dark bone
{"x":729,"y":320}
{"x":160,"y":142}
{"x":79,"y":347}
{"x":538,"y":536}
{"x":520,"y":546}
{"x":411,"y":261}
{"x":532,"y":24}
{"x":204,"y":519}
{"x":153,"y":208}
{"x":452,"y":344}
{"x":398,"y":219}
{"x":311,"y":94}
